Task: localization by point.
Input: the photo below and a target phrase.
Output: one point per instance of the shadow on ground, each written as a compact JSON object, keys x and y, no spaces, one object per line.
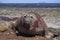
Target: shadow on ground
{"x":25,"y":35}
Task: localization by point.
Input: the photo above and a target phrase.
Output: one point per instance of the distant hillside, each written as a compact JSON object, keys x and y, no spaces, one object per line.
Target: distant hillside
{"x":30,"y":4}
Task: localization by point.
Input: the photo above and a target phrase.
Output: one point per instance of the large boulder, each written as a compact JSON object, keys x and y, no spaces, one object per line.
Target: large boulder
{"x":4,"y":26}
{"x":30,"y":23}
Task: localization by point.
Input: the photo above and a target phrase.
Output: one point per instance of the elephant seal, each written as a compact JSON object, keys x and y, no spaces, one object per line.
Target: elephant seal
{"x":31,"y":23}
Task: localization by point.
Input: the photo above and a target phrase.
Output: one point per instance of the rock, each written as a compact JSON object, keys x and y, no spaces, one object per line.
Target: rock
{"x":4,"y":26}
{"x":55,"y":38}
{"x":50,"y":35}
{"x":54,"y":31}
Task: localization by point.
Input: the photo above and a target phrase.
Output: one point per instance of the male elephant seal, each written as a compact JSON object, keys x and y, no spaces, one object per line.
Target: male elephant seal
{"x":31,"y":23}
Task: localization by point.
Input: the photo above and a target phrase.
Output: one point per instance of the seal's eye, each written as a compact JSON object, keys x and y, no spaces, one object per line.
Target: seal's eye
{"x":31,"y":17}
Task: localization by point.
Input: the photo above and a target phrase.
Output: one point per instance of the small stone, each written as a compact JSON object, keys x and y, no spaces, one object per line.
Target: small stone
{"x":37,"y":38}
{"x":50,"y":35}
{"x":55,"y":39}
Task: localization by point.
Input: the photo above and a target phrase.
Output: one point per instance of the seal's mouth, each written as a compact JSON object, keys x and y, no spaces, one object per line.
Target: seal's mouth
{"x":26,"y":25}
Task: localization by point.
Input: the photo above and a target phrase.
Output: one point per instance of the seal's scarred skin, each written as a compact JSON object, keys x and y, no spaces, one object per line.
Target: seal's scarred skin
{"x":31,"y":23}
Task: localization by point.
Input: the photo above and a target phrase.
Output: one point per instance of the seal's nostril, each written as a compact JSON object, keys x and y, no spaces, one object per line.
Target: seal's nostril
{"x":31,"y":17}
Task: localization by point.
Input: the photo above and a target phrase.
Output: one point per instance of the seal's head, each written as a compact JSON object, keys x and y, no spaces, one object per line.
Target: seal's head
{"x":27,"y":19}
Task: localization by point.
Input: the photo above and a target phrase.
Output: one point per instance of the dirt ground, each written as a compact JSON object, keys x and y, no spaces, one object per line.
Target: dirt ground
{"x":10,"y":35}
